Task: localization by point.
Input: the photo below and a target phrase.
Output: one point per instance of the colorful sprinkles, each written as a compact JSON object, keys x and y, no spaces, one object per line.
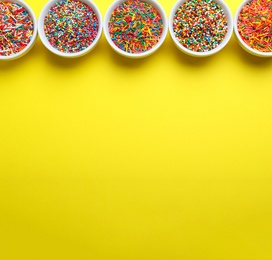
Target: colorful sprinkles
{"x":135,"y":26}
{"x":16,"y":28}
{"x":255,"y":25}
{"x":200,"y":25}
{"x":71,"y":26}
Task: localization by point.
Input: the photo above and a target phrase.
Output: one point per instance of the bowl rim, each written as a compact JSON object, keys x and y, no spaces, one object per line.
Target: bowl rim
{"x":225,"y":41}
{"x":34,"y":35}
{"x":46,"y":43}
{"x":238,"y":36}
{"x":161,"y":11}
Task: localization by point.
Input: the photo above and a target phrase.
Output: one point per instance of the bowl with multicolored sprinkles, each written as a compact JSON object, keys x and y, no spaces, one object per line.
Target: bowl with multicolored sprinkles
{"x":70,"y":28}
{"x":18,"y":29}
{"x":135,"y":28}
{"x":253,"y":27}
{"x":200,"y":27}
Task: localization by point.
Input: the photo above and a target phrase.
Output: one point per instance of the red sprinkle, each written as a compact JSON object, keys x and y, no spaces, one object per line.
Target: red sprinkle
{"x":255,"y":25}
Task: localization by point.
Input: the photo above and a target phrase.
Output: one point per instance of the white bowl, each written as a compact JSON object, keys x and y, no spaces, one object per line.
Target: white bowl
{"x":240,"y":40}
{"x":228,"y":15}
{"x":34,"y":35}
{"x":108,"y":14}
{"x":46,"y":43}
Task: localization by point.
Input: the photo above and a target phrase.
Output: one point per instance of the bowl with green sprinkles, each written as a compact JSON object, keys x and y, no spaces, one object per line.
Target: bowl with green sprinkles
{"x":18,"y":29}
{"x":70,"y":28}
{"x":200,"y":28}
{"x":135,"y":28}
{"x":253,"y":27}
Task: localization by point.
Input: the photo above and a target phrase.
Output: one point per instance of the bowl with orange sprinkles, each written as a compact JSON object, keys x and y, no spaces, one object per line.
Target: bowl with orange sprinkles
{"x":18,"y":29}
{"x":135,"y":28}
{"x":253,"y":27}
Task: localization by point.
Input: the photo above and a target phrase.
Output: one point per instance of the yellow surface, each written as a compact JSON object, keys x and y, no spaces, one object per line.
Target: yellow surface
{"x":165,"y":158}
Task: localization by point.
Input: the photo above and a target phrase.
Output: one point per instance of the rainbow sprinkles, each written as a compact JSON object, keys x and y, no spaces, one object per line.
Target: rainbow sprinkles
{"x":135,"y":26}
{"x":71,"y":26}
{"x":16,"y":28}
{"x":255,"y":25}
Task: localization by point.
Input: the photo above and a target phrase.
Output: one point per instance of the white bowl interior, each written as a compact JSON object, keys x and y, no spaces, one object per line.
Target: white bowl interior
{"x":240,"y":40}
{"x":34,"y":36}
{"x":46,"y":43}
{"x":161,"y":11}
{"x":228,"y":15}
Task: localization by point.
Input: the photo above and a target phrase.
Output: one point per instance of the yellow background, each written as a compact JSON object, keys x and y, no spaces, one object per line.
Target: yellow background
{"x":164,"y":158}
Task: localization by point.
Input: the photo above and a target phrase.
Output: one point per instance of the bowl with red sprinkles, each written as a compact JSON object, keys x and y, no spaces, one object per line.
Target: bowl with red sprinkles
{"x":135,"y":28}
{"x":70,"y":28}
{"x":18,"y":29}
{"x":253,"y":27}
{"x":200,"y":28}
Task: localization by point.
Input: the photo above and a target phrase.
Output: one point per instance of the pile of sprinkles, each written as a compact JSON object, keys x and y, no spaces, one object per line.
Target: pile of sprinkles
{"x":255,"y":25}
{"x":71,"y":26}
{"x":135,"y":26}
{"x":200,"y":25}
{"x":16,"y":28}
